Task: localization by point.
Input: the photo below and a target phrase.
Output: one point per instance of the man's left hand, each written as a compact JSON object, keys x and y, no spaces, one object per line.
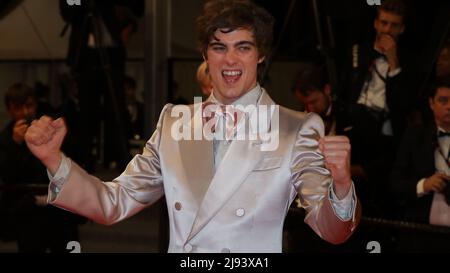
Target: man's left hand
{"x":336,"y":151}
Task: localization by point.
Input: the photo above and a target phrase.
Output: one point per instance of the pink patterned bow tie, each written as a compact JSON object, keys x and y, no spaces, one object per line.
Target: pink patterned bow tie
{"x":213,"y":112}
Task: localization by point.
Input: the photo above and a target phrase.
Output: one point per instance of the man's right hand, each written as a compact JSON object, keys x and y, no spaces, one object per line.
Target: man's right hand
{"x":435,"y":183}
{"x":44,"y":139}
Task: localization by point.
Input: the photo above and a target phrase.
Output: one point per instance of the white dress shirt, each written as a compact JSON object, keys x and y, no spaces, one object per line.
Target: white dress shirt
{"x":373,"y":93}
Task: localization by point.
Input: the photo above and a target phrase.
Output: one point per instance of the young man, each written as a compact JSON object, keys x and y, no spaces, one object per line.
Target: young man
{"x":373,"y":86}
{"x":222,"y":195}
{"x":313,"y":90}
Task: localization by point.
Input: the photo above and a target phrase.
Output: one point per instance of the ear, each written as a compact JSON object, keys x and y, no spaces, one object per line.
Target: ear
{"x":261,"y":59}
{"x":430,"y":102}
{"x":204,"y":57}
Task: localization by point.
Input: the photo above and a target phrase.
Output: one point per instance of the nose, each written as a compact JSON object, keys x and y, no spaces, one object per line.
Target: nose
{"x":230,"y":58}
{"x":388,"y":29}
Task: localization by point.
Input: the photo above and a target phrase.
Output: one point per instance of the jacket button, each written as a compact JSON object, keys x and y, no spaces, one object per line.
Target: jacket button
{"x":225,"y":250}
{"x":188,"y":247}
{"x":178,"y":206}
{"x":240,"y":212}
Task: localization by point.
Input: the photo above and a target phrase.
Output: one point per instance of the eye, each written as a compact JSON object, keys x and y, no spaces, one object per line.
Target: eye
{"x":218,"y":48}
{"x":443,"y":100}
{"x":244,"y":48}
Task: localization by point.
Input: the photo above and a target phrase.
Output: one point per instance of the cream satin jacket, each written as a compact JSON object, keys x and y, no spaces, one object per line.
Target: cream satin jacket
{"x":239,"y":208}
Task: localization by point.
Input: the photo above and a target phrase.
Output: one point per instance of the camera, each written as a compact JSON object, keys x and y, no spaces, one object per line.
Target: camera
{"x":29,"y":120}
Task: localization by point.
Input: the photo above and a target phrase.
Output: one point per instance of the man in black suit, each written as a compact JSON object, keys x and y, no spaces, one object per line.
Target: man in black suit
{"x":421,"y":173}
{"x":373,"y":88}
{"x":372,"y":83}
{"x":96,"y":56}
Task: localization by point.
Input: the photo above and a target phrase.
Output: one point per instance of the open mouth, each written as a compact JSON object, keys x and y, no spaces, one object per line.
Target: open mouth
{"x":231,"y":76}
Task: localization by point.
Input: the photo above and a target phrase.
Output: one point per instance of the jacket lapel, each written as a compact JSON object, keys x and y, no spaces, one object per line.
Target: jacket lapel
{"x":196,"y":155}
{"x":237,"y":163}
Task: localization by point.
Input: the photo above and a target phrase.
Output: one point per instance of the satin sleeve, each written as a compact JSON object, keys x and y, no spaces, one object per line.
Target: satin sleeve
{"x":139,"y":186}
{"x":313,"y":183}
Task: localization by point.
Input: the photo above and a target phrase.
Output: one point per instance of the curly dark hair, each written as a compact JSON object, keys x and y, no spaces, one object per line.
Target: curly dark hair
{"x":233,"y":14}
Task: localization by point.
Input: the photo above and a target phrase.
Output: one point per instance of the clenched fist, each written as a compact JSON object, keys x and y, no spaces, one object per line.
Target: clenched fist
{"x":44,"y":139}
{"x":336,"y":151}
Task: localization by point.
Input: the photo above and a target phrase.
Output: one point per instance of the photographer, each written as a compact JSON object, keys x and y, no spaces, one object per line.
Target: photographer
{"x":26,"y":217}
{"x":421,"y":172}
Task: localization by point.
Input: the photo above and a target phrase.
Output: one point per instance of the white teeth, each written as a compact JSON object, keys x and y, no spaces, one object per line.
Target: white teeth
{"x":232,"y":73}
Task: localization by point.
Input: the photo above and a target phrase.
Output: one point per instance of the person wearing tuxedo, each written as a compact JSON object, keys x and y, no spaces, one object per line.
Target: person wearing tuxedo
{"x":421,"y":174}
{"x":373,"y":87}
{"x":223,"y":195}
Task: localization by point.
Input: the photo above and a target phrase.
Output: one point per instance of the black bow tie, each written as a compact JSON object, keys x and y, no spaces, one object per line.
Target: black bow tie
{"x":376,"y":55}
{"x":443,"y":134}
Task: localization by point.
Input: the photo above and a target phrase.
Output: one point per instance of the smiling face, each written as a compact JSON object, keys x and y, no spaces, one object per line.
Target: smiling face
{"x":232,"y":58}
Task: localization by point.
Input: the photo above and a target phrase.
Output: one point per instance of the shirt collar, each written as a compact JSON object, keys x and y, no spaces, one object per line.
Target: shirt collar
{"x":442,"y":131}
{"x":249,"y":98}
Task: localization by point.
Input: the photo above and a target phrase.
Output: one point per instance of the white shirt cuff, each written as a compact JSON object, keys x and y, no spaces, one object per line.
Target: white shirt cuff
{"x":57,"y":181}
{"x":419,"y":188}
{"x":344,"y":208}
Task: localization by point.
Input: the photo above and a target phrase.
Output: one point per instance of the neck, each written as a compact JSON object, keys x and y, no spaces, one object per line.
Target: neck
{"x":229,"y":101}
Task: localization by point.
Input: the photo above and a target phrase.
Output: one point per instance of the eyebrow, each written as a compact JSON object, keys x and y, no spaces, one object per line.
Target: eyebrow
{"x":390,"y":22}
{"x":240,"y":43}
